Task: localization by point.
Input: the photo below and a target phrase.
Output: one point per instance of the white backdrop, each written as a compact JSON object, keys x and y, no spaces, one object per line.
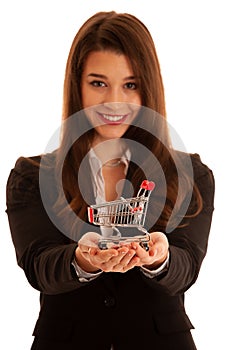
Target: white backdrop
{"x":194,"y":44}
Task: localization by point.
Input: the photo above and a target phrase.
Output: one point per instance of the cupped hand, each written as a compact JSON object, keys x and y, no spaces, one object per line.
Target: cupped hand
{"x":157,"y":253}
{"x":92,"y":259}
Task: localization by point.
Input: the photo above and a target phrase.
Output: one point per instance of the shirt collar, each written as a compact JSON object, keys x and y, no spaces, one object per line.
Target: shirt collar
{"x":96,"y":164}
{"x":97,"y":176}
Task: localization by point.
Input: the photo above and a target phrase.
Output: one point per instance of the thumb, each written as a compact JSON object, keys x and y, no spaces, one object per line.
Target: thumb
{"x":90,"y":239}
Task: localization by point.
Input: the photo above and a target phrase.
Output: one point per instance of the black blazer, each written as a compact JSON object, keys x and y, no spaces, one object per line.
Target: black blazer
{"x":128,"y":310}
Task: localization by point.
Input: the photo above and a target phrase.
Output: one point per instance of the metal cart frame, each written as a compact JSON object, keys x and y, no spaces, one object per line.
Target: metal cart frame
{"x":124,"y":212}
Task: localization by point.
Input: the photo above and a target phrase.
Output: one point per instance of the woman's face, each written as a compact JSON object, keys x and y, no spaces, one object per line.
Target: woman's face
{"x":109,"y":86}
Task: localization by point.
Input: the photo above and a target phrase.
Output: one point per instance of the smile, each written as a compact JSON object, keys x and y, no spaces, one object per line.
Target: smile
{"x":112,"y":118}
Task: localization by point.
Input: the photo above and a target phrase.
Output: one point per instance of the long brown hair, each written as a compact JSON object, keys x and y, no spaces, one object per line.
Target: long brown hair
{"x":123,"y":34}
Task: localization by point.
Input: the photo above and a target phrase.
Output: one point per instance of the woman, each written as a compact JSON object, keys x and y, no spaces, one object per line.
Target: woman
{"x":114,"y":136}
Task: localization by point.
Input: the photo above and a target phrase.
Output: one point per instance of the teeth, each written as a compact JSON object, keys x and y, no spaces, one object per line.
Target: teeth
{"x":112,"y":118}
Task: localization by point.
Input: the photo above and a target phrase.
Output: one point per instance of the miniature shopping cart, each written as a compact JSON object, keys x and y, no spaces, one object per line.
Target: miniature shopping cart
{"x":124,"y":212}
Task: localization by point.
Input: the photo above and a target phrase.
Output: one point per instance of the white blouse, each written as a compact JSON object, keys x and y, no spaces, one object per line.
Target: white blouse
{"x":99,"y":193}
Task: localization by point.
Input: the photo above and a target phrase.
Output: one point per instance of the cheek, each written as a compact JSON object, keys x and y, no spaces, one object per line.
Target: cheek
{"x":89,"y":98}
{"x":137,"y":99}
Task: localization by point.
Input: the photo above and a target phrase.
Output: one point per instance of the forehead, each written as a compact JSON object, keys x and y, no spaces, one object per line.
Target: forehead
{"x":107,"y":63}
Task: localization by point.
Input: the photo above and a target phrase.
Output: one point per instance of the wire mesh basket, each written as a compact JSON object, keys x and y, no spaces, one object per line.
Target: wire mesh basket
{"x":124,"y":212}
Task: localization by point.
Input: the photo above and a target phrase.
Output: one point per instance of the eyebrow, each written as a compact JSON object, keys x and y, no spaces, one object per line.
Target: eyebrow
{"x":102,"y":76}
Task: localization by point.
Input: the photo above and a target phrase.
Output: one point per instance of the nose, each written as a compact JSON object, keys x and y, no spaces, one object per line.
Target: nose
{"x":114,"y":99}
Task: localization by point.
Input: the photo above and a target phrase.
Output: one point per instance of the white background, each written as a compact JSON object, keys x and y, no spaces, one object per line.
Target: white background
{"x":194,"y":45}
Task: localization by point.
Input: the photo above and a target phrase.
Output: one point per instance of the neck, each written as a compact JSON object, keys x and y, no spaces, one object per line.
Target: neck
{"x":113,"y":163}
{"x":110,"y":151}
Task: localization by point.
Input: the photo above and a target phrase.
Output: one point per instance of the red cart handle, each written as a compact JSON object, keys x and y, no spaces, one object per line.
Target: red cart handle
{"x":147,"y":185}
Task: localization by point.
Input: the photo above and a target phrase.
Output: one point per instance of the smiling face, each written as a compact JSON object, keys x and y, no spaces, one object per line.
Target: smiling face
{"x":109,"y":87}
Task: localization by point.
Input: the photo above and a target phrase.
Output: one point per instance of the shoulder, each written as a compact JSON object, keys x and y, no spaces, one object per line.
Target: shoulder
{"x":29,"y":167}
{"x":25,"y":171}
{"x":200,"y":169}
{"x":199,"y":173}
{"x":204,"y":180}
{"x":23,"y":181}
{"x":192,"y":162}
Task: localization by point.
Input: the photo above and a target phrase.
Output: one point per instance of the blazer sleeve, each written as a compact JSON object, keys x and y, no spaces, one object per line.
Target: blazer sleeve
{"x":42,"y":251}
{"x":188,"y":244}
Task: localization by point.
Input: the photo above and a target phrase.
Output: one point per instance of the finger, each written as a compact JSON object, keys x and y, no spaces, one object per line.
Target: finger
{"x":99,"y":256}
{"x":153,"y":251}
{"x":141,"y":252}
{"x":108,"y":265}
{"x":127,"y":263}
{"x":89,"y":239}
{"x":134,"y":245}
{"x":124,"y":257}
{"x":83,"y":248}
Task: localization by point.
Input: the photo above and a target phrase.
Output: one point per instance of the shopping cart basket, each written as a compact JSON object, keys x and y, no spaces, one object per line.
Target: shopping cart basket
{"x":124,"y":212}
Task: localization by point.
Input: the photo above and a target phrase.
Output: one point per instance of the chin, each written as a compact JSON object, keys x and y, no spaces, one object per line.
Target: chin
{"x":104,"y":133}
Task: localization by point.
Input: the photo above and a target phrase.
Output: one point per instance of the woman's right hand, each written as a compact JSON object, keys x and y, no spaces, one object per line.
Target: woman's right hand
{"x":92,"y":259}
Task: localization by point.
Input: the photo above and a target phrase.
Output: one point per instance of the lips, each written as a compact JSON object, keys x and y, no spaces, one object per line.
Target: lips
{"x":112,"y":119}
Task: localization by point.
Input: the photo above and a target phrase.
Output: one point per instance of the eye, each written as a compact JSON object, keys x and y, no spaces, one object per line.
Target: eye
{"x":131,"y":86}
{"x":98,"y":83}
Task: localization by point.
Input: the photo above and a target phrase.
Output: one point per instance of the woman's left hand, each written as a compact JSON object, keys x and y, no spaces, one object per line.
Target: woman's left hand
{"x":158,"y":251}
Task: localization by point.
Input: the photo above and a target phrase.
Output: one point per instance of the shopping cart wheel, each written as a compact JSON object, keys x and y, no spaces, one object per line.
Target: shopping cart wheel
{"x":145,"y":245}
{"x":102,"y":245}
